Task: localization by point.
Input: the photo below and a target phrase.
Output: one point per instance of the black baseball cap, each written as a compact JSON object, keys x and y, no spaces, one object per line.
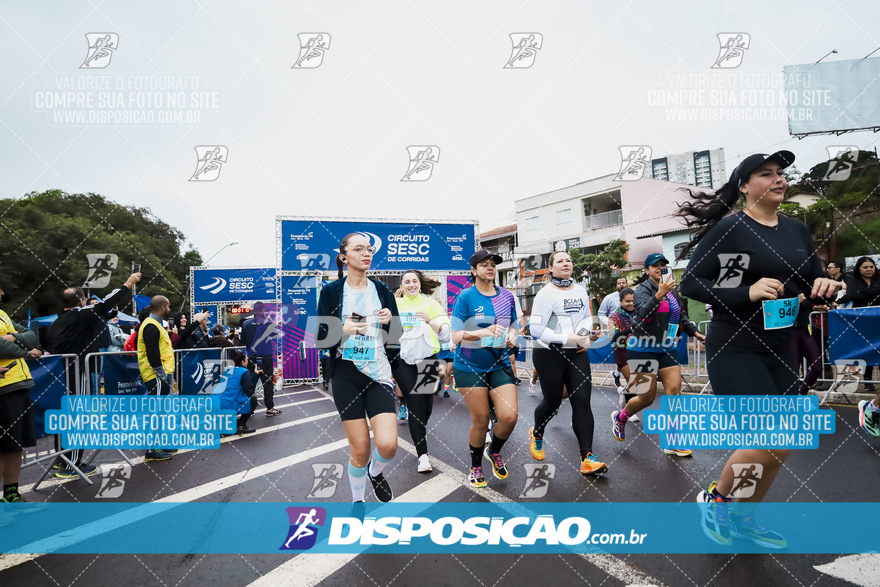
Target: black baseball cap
{"x":654,"y":258}
{"x":750,"y":163}
{"x":484,"y":254}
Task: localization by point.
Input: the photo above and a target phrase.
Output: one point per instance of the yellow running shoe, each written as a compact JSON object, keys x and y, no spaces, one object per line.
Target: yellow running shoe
{"x":592,"y":466}
{"x":536,"y":445}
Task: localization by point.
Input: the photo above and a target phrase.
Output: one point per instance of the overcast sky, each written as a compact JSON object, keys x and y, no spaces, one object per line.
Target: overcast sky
{"x":332,"y":140}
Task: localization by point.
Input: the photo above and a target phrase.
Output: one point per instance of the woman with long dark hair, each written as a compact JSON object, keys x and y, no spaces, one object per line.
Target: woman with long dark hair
{"x":417,"y":308}
{"x":357,"y":315}
{"x":562,"y":324}
{"x":751,"y":265}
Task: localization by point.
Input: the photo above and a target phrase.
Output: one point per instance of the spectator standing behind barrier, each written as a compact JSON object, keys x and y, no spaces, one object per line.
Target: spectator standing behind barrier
{"x":17,"y":427}
{"x":190,"y":335}
{"x":863,"y":290}
{"x":117,"y":337}
{"x":218,"y":339}
{"x":259,"y":334}
{"x":233,"y":336}
{"x":79,"y":330}
{"x":156,"y":361}
{"x":236,"y":389}
{"x":131,"y":341}
{"x":611,"y":302}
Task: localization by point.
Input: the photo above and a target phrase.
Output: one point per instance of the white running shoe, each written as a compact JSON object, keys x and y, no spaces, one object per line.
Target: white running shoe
{"x":424,"y":464}
{"x":488,"y":438}
{"x":634,"y":418}
{"x":532,"y":388}
{"x":621,"y":401}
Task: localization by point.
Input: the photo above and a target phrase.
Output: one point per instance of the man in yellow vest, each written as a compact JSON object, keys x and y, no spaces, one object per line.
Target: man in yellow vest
{"x":17,"y":428}
{"x":156,"y":361}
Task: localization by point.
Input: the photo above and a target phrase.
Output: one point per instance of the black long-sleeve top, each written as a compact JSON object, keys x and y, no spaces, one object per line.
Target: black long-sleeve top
{"x":786,"y":252}
{"x":860,"y":293}
{"x":79,"y":330}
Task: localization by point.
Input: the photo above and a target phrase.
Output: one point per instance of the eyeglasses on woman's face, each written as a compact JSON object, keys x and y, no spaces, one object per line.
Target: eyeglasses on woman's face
{"x":364,"y":250}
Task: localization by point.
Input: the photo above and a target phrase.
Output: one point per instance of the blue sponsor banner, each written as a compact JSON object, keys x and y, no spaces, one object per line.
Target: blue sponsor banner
{"x":233,"y":285}
{"x":200,"y":370}
{"x":122,"y":376}
{"x":852,"y":335}
{"x":212,"y":315}
{"x":313,"y":244}
{"x":299,"y":302}
{"x":49,"y":387}
{"x":412,"y":528}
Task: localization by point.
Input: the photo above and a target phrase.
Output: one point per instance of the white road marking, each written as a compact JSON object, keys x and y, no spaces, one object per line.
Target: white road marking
{"x":51,"y":482}
{"x":859,"y":569}
{"x":309,"y":570}
{"x":40,"y":547}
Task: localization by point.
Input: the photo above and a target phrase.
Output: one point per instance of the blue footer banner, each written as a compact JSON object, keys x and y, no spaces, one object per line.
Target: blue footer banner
{"x":429,"y":528}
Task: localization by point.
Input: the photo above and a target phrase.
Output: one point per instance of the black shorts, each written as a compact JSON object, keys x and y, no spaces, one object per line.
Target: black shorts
{"x":357,"y":396}
{"x":620,"y":357}
{"x":492,"y":379}
{"x":513,"y":352}
{"x":737,"y":370}
{"x":17,"y":427}
{"x":666,"y":359}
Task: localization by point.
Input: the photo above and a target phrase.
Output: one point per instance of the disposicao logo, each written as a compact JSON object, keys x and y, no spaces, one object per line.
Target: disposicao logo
{"x":216,"y":287}
{"x":304,"y":524}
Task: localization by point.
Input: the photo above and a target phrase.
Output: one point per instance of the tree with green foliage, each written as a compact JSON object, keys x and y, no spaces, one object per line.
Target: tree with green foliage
{"x":47,"y":237}
{"x":599,"y":269}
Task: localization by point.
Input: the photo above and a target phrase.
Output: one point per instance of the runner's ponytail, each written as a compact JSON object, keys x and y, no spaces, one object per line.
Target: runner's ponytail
{"x":705,"y":210}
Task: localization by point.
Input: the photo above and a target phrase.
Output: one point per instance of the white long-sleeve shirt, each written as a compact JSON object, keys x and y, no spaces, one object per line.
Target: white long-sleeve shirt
{"x":557,"y":313}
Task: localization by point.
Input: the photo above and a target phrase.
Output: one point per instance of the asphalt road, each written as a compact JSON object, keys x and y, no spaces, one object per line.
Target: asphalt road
{"x":845,"y":468}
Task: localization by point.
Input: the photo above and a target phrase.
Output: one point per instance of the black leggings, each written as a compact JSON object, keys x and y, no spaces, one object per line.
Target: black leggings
{"x":807,"y":347}
{"x":418,"y":405}
{"x":572,"y":369}
{"x":736,"y":370}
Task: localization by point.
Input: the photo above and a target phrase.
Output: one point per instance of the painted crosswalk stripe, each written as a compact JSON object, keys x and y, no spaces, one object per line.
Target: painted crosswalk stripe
{"x":859,"y":569}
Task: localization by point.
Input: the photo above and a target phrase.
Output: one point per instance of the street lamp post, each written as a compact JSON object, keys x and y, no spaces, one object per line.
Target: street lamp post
{"x":189,"y":285}
{"x":827,"y":54}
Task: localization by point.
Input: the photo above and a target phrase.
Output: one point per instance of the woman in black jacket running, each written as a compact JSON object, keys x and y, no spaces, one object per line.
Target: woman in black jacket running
{"x":749,"y":265}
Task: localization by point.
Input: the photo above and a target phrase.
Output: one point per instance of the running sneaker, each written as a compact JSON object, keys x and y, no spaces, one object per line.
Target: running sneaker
{"x":532,"y":388}
{"x":592,"y":466}
{"x":24,"y":506}
{"x":68,"y":473}
{"x":380,"y":486}
{"x":621,"y":401}
{"x":157,"y":455}
{"x":618,"y":428}
{"x":402,"y":413}
{"x":634,"y":418}
{"x":749,"y":529}
{"x":273,"y":412}
{"x":446,"y":392}
{"x":454,"y":386}
{"x":868,"y":419}
{"x":424,"y":464}
{"x":679,"y":452}
{"x":536,"y":445}
{"x":714,"y":519}
{"x":616,"y":376}
{"x":498,"y":468}
{"x":476,"y":478}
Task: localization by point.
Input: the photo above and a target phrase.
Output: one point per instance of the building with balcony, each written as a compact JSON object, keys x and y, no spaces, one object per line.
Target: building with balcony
{"x":589,"y":215}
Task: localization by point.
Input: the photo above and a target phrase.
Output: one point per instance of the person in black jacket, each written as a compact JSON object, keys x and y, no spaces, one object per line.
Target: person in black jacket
{"x":360,"y":327}
{"x":863,"y":290}
{"x":751,"y":265}
{"x":78,"y":330}
{"x":190,"y":335}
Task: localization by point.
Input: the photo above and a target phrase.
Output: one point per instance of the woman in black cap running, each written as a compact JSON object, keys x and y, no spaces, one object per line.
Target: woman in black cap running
{"x":751,"y":266}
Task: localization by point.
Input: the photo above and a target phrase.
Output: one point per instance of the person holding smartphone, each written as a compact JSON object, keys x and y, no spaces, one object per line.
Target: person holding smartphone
{"x":482,"y":321}
{"x":653,"y":346}
{"x":357,"y":318}
{"x":562,"y":324}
